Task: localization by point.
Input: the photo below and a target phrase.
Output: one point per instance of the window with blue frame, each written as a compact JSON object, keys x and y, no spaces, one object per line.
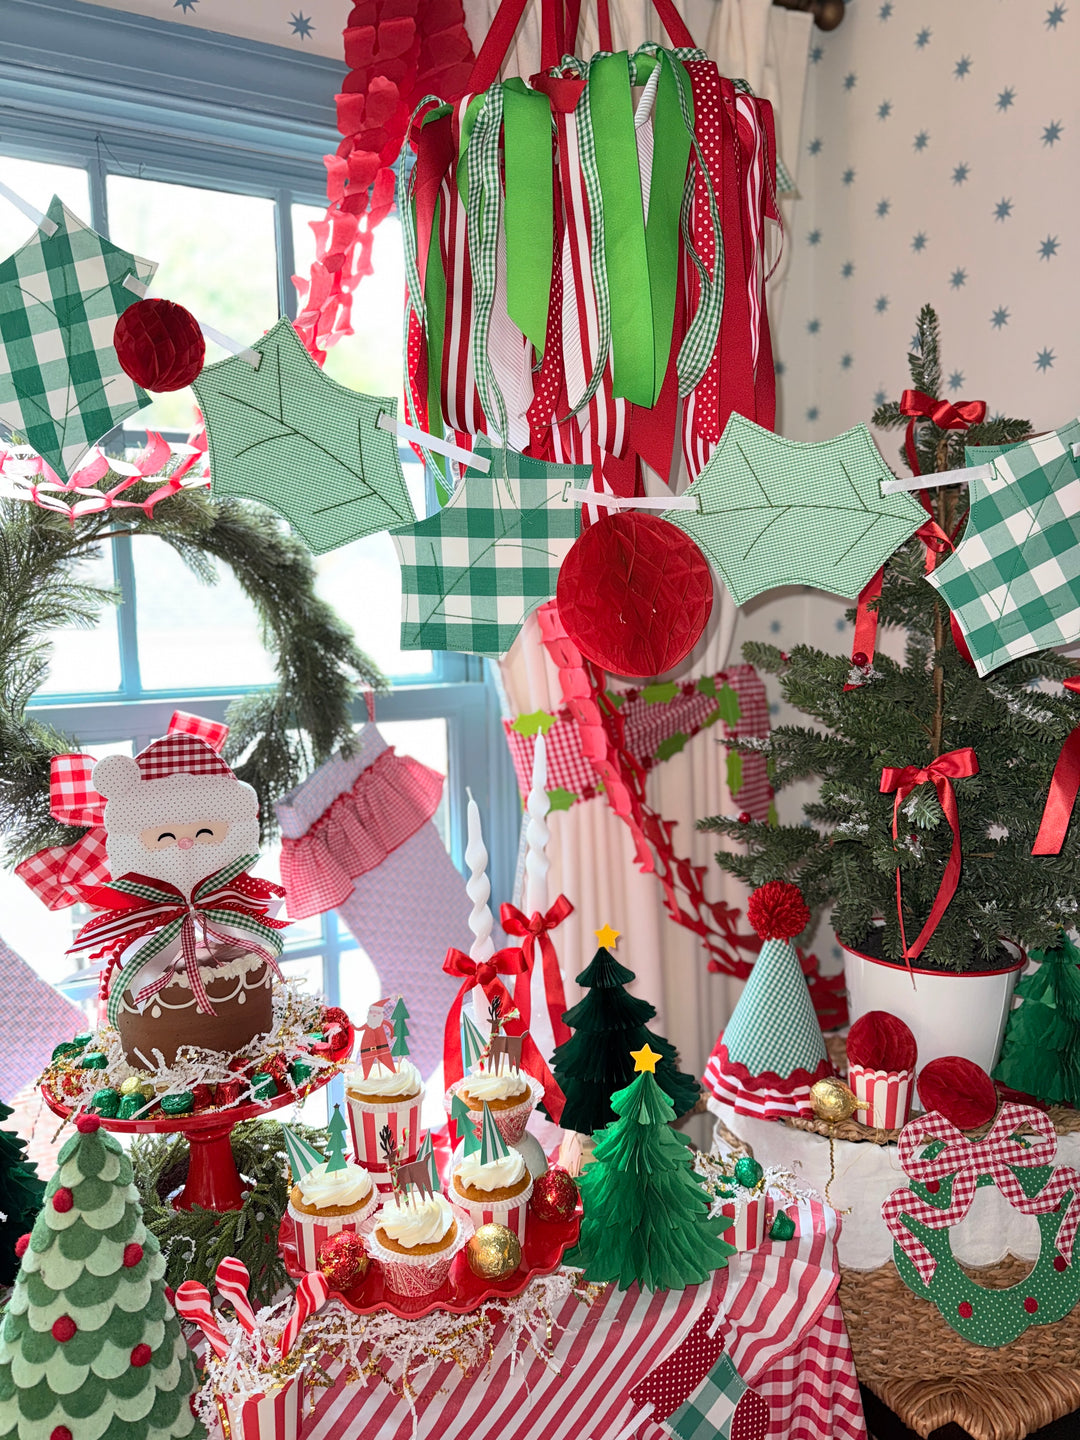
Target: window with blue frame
{"x":223,"y":201}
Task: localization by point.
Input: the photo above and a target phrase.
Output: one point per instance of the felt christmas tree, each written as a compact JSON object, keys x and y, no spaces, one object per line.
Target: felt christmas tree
{"x":335,"y":1146}
{"x":607,"y":1024}
{"x":20,"y":1197}
{"x":646,"y":1215}
{"x":399,"y":1020}
{"x":1041,"y":1051}
{"x":90,"y":1344}
{"x":772,"y":1049}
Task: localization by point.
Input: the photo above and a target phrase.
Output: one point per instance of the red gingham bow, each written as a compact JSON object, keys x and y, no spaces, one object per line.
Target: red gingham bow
{"x":999,"y":1156}
{"x":537,"y":927}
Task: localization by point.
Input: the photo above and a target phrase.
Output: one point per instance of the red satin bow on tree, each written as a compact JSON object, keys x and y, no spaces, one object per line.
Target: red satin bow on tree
{"x":486,"y":974}
{"x":956,"y":765}
{"x":1064,"y":786}
{"x":531,"y":929}
{"x":942,"y":413}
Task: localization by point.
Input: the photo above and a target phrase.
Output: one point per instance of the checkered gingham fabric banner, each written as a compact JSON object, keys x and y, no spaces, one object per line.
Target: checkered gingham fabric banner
{"x":61,"y":385}
{"x":1013,"y":582}
{"x":471,"y":573}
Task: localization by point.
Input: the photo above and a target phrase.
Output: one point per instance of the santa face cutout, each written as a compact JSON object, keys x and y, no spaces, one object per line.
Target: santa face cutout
{"x":210,"y":832}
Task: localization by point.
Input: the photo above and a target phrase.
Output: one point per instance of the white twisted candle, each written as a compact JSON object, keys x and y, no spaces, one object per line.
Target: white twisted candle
{"x":478,"y":888}
{"x":537,"y":833}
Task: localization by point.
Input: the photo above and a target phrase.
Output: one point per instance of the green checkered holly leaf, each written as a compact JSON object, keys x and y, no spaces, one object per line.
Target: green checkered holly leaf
{"x":287,"y":435}
{"x":61,"y":385}
{"x":472,"y":573}
{"x":784,"y":512}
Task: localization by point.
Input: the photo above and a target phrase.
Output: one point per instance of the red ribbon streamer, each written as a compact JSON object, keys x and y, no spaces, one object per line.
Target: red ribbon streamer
{"x":956,"y":765}
{"x":1064,"y":786}
{"x":942,"y":413}
{"x":486,"y":974}
{"x":532,"y":929}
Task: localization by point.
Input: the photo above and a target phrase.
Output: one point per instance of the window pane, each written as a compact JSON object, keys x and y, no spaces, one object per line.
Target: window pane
{"x":370,"y":360}
{"x":193,"y":635}
{"x":86,"y":662}
{"x":38,"y":183}
{"x":216,"y":255}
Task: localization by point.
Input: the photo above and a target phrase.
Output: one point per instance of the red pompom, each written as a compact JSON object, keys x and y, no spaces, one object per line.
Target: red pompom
{"x":170,"y":1295}
{"x":958,"y":1089}
{"x":133,"y":1253}
{"x":555,"y":1196}
{"x":634,"y":594}
{"x":343,"y":1259}
{"x":63,"y":1200}
{"x":61,"y":1432}
{"x":87,"y":1124}
{"x":777,"y":911}
{"x":159,"y":345}
{"x":141,"y":1355}
{"x":881,"y":1041}
{"x":22,"y":1244}
{"x":63,"y":1328}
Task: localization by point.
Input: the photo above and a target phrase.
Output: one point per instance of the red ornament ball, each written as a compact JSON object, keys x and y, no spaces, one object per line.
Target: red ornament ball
{"x":858,"y":659}
{"x":745,"y":817}
{"x":343,"y":1260}
{"x":334,"y":1018}
{"x":777,"y":911}
{"x":159,"y":345}
{"x":22,"y":1244}
{"x":133,"y":1253}
{"x":61,"y":1432}
{"x":141,"y":1355}
{"x":555,"y":1196}
{"x":63,"y":1200}
{"x":958,"y":1089}
{"x":63,"y":1328}
{"x":634,"y":594}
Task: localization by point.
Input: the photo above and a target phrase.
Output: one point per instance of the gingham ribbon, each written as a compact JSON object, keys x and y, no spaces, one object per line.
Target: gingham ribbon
{"x":999,"y":1156}
{"x":227,"y":897}
{"x":484,"y":212}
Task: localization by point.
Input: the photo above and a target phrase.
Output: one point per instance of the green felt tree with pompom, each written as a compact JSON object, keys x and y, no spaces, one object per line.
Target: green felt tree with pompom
{"x":1041,"y":1051}
{"x":90,"y":1347}
{"x":646,"y":1216}
{"x":20,"y":1196}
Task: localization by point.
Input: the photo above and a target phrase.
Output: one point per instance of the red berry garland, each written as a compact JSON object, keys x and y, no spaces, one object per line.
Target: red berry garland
{"x":159,"y":345}
{"x":777,"y":911}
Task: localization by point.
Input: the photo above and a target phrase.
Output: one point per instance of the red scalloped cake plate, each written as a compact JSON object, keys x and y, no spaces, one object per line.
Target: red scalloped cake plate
{"x":545,"y":1243}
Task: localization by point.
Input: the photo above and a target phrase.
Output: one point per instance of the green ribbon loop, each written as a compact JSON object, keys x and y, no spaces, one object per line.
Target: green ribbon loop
{"x":529,"y":217}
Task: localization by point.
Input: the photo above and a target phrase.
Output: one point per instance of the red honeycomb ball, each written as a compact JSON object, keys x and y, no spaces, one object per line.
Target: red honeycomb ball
{"x":159,"y":345}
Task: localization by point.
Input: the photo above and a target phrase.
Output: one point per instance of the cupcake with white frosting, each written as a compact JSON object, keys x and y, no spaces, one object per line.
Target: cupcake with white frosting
{"x":509,"y":1093}
{"x":415,"y":1238}
{"x":384,"y":1097}
{"x":324,"y":1202}
{"x":495,"y":1191}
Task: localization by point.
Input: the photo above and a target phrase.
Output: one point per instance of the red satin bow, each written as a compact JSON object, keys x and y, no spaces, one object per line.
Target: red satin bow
{"x":1064,"y":786}
{"x":942,"y":413}
{"x":486,"y":973}
{"x":537,"y":927}
{"x":956,"y":765}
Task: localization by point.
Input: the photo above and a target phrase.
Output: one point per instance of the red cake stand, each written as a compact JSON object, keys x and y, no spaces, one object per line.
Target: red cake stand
{"x":212,"y":1181}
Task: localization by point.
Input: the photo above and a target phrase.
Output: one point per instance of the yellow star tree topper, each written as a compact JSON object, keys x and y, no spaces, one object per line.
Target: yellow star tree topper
{"x":606,"y":937}
{"x":645,"y":1059}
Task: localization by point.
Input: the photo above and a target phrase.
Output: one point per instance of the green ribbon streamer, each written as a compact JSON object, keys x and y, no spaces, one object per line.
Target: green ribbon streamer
{"x":671,"y":152}
{"x":529,"y":216}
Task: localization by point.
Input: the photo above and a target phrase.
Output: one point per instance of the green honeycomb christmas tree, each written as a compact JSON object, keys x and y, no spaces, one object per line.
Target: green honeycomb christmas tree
{"x":90,"y":1347}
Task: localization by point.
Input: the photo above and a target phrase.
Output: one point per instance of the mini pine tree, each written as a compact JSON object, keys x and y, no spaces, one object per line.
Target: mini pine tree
{"x":909,"y":712}
{"x":646,"y":1216}
{"x":608,"y":1023}
{"x":20,"y":1196}
{"x":89,"y":1331}
{"x":335,"y":1147}
{"x":1041,"y":1051}
{"x":399,"y":1019}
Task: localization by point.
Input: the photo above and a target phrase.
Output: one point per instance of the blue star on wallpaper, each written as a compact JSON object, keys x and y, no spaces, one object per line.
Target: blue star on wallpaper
{"x":886,"y":10}
{"x":882,"y":208}
{"x":884,"y":110}
{"x":301,"y":25}
{"x":814,"y":147}
{"x":1049,"y":247}
{"x":922,"y":139}
{"x":962,"y":68}
{"x":955,"y":380}
{"x":922,"y":39}
{"x":1000,"y":317}
{"x":814,"y":237}
{"x":850,"y":80}
{"x":958,"y":278}
{"x":879,"y":397}
{"x":881,"y":304}
{"x":184,"y":5}
{"x":813,"y":326}
{"x":846,"y":362}
{"x":1003,"y":209}
{"x":847,"y":269}
{"x":1052,"y":133}
{"x":848,"y":176}
{"x":1044,"y":360}
{"x":918,"y":242}
{"x":1005,"y":98}
{"x":961,"y":173}
{"x":1055,"y":16}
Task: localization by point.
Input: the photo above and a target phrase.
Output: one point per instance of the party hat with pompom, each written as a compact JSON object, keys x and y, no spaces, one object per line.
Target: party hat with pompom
{"x":772,"y":1049}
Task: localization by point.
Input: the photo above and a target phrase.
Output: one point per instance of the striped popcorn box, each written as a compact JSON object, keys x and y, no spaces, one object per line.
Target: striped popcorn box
{"x":887,"y":1094}
{"x":367,"y":1118}
{"x":747,"y":1228}
{"x":276,"y":1415}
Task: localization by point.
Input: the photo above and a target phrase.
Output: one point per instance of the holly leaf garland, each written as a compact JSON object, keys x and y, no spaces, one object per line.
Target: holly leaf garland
{"x":287,"y":435}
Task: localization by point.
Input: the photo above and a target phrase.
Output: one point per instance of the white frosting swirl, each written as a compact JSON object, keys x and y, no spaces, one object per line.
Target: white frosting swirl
{"x":322,"y":1189}
{"x":502,"y":1086}
{"x":405,"y":1080}
{"x":412,"y":1220}
{"x":495,"y":1175}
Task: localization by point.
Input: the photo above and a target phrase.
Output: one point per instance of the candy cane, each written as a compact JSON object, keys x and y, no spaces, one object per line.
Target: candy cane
{"x":193,"y":1303}
{"x":311,"y":1293}
{"x":232,"y":1280}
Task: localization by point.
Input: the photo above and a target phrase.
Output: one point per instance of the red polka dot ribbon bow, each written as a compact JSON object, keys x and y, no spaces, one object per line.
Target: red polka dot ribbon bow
{"x":1000,"y":1155}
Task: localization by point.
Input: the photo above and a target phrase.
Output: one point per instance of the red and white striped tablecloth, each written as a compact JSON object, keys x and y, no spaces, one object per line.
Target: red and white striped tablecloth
{"x":784,"y":1332}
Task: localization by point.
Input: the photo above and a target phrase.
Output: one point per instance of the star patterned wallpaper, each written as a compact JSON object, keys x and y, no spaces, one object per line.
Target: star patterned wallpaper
{"x":315,"y":25}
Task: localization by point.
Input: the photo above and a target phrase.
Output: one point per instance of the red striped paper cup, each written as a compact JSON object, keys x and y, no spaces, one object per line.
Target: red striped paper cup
{"x":747,"y":1227}
{"x":366,"y":1119}
{"x":312,"y":1230}
{"x":510,"y":1213}
{"x":887,"y":1094}
{"x":276,"y":1415}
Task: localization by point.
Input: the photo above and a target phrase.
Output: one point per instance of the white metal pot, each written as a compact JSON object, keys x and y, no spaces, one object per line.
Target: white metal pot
{"x":949,"y":1014}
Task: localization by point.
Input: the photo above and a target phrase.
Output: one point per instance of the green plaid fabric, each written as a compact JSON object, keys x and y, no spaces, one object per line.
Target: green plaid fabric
{"x":773,"y":1026}
{"x":708,"y":1413}
{"x":1013,"y":582}
{"x":471,"y":573}
{"x":61,"y":385}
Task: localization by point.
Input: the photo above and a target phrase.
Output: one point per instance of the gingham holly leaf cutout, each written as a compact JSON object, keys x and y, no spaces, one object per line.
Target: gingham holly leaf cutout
{"x":289,"y":436}
{"x":61,"y":385}
{"x":1013,"y":582}
{"x":473,"y":572}
{"x":786,"y":512}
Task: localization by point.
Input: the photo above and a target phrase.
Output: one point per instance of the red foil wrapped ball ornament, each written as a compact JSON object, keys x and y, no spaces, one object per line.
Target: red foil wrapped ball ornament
{"x":343,"y":1260}
{"x":555,"y":1196}
{"x":777,"y":911}
{"x":159,"y":345}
